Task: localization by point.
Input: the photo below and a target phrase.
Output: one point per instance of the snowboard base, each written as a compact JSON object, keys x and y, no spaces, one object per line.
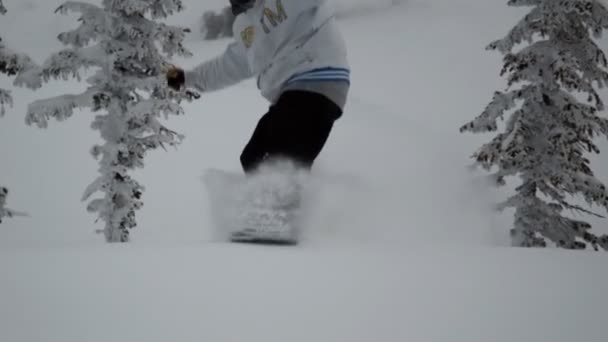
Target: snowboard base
{"x":253,"y":237}
{"x":256,"y":241}
{"x":263,"y":208}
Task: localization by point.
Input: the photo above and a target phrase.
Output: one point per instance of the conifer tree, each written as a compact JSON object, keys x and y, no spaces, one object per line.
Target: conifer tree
{"x":128,"y":49}
{"x":26,"y":74}
{"x":551,"y":106}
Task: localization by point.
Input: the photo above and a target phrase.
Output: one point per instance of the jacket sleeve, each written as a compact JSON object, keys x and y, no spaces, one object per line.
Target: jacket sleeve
{"x":225,"y":70}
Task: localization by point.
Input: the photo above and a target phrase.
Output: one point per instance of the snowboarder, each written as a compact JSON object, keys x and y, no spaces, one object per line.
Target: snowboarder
{"x":298,"y":55}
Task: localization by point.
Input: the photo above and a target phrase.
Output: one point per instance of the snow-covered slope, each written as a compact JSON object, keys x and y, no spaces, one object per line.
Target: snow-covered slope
{"x":400,"y":244}
{"x":242,"y":293}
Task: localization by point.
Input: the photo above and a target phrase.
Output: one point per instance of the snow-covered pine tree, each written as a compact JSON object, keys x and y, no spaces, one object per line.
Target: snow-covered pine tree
{"x":5,"y":99}
{"x":129,"y":48}
{"x":26,"y":72}
{"x":552,"y":121}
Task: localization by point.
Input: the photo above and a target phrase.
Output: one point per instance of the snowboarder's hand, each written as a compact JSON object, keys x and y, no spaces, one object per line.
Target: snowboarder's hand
{"x":175,"y":78}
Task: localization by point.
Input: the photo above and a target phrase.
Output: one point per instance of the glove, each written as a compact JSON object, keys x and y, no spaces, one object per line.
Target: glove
{"x":175,"y":78}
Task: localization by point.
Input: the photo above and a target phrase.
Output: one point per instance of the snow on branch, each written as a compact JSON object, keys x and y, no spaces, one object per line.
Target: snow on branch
{"x":67,"y":64}
{"x":20,"y":65}
{"x":17,"y":64}
{"x":81,"y":7}
{"x":59,"y":108}
{"x":501,"y":103}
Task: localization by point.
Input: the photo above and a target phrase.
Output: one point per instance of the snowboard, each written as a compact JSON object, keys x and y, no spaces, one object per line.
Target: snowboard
{"x":262,"y":208}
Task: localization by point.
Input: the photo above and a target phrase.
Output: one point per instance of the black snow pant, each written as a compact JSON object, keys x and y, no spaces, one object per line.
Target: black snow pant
{"x":295,"y":128}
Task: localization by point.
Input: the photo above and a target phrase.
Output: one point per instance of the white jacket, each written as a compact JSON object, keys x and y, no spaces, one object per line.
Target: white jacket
{"x":280,"y":42}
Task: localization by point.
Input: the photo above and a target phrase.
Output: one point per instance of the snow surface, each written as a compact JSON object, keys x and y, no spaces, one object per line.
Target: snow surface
{"x":401,"y":242}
